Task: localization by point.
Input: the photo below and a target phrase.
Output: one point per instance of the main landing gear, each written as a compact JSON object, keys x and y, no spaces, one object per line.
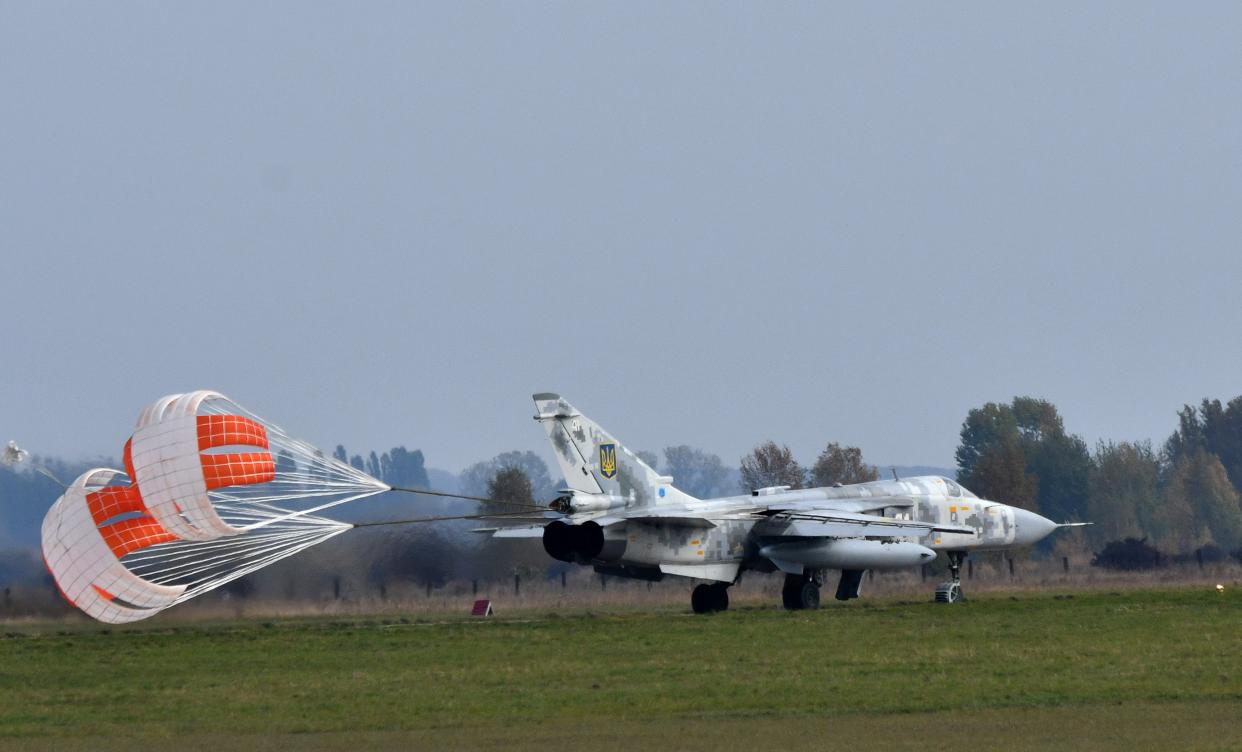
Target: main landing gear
{"x":801,"y":591}
{"x":708,"y":598}
{"x":951,"y":592}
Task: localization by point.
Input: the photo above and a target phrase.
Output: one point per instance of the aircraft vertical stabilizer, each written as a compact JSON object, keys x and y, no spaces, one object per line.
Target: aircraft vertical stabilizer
{"x":593,"y":462}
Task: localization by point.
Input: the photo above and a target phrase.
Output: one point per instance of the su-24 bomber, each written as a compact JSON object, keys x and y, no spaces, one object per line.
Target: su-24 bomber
{"x":625,"y":519}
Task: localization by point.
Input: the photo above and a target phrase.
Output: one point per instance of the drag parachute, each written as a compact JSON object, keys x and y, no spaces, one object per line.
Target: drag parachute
{"x":13,"y":454}
{"x":210,"y":492}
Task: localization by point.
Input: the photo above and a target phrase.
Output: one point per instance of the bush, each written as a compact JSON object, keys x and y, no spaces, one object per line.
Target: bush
{"x":1209,"y":554}
{"x":1129,"y":554}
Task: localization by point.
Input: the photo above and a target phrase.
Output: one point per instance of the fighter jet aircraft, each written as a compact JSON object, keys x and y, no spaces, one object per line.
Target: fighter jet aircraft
{"x":625,"y":519}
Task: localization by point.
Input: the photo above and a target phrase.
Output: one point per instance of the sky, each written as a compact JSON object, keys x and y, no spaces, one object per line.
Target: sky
{"x":704,"y":223}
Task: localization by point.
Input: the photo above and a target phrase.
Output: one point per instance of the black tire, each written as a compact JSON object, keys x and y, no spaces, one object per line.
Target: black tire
{"x":701,"y":599}
{"x":808,"y":597}
{"x":790,"y":597}
{"x":720,"y":597}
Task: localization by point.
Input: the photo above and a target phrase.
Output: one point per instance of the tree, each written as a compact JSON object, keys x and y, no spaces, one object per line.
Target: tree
{"x":1000,"y":474}
{"x":1200,"y":490}
{"x":650,"y":459}
{"x":1062,"y":464}
{"x":404,"y":468}
{"x":512,"y":485}
{"x":339,"y":453}
{"x":984,"y":427}
{"x":1036,"y":419}
{"x":1212,"y":428}
{"x":698,"y":473}
{"x":770,"y":464}
{"x":844,"y":465}
{"x":997,"y":438}
{"x":474,"y":479}
{"x":422,"y":555}
{"x":1175,"y":527}
{"x":1124,"y":497}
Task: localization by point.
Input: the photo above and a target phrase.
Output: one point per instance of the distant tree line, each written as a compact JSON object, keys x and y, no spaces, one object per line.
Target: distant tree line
{"x":396,"y":467}
{"x":1181,"y":497}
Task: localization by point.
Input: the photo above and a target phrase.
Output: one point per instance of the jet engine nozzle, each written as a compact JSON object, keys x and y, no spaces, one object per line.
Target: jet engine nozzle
{"x":583,"y":543}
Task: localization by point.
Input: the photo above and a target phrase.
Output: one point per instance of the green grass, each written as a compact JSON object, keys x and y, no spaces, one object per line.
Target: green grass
{"x":1116,"y":669}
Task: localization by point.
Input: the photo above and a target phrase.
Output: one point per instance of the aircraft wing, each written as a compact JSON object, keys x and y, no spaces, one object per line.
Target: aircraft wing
{"x":525,"y":531}
{"x":832,"y":523}
{"x":681,"y":518}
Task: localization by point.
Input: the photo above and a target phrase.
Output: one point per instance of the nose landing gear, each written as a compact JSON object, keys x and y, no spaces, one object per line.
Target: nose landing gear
{"x":951,"y":592}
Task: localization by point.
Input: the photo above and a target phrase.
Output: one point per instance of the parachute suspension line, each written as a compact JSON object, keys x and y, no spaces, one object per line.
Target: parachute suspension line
{"x":276,"y":518}
{"x":216,"y":493}
{"x":480,"y":499}
{"x":279,"y":547}
{"x":312,"y":510}
{"x":304,"y":481}
{"x":490,"y":516}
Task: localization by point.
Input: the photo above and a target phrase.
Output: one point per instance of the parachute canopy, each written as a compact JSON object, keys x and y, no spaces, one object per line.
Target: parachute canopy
{"x":13,"y":454}
{"x":210,"y":492}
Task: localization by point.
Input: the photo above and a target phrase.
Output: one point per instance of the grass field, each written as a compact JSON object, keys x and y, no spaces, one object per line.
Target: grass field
{"x":1136,"y":669}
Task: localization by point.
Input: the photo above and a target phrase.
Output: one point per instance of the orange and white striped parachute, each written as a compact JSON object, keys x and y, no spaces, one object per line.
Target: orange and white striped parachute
{"x":214,"y":492}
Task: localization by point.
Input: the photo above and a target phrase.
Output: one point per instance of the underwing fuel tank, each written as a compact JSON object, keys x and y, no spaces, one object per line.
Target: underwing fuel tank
{"x":848,"y":553}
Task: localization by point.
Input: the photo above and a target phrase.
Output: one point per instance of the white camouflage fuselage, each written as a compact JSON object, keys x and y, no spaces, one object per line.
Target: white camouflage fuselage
{"x":621,"y":516}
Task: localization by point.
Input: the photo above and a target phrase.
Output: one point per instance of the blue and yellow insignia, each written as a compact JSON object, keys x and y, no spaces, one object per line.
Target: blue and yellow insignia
{"x":608,"y":460}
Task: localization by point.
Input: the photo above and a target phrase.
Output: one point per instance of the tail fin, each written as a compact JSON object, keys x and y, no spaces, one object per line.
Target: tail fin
{"x":594,"y":462}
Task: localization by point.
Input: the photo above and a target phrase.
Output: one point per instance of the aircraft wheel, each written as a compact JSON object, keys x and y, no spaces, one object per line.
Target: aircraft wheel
{"x":701,"y":599}
{"x":720,"y":597}
{"x":950,"y":592}
{"x":808,"y":597}
{"x":791,"y":596}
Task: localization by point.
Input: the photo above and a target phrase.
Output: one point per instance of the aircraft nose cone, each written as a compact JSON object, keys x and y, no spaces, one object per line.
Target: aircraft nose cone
{"x":1030,"y":527}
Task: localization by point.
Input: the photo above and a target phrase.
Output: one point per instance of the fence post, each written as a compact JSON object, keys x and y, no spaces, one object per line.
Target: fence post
{"x":1199,"y":556}
{"x":970,"y":569}
{"x":923,"y":571}
{"x":603,"y":582}
{"x":1065,"y":563}
{"x":428,"y":588}
{"x":474,"y":587}
{"x":336,"y":588}
{"x":563,"y":581}
{"x":517,"y":584}
{"x":1010,"y":568}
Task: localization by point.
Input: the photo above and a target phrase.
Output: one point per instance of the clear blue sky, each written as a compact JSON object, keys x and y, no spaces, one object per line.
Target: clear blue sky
{"x":701,"y":222}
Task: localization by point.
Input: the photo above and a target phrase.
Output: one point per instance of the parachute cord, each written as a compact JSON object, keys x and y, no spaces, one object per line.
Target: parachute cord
{"x":480,"y":499}
{"x":493,"y":516}
{"x":42,"y":470}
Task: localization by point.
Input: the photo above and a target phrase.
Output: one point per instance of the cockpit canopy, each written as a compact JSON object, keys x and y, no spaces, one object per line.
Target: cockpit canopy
{"x":954,"y":490}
